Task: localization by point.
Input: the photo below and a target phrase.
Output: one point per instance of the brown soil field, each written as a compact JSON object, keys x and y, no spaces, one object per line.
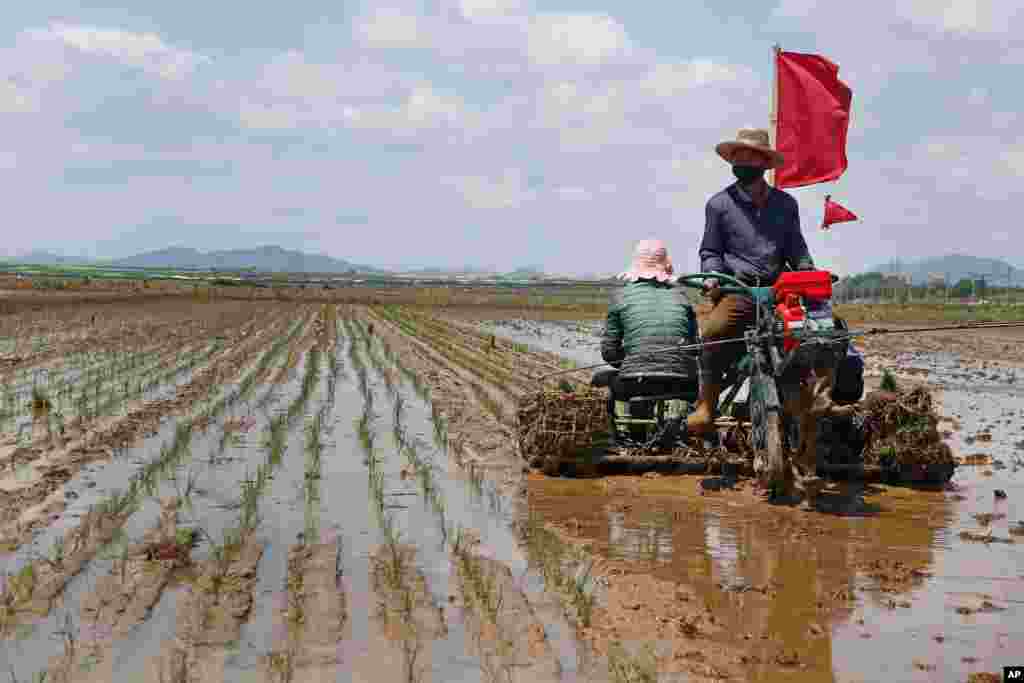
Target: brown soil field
{"x":320,"y":489}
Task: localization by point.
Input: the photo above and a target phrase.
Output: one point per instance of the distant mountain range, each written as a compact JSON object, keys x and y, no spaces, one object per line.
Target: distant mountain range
{"x":276,"y":259}
{"x":263,"y":259}
{"x":956,"y":267}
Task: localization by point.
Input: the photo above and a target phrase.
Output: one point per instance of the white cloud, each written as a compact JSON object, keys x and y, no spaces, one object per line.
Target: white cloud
{"x":507,"y":191}
{"x":422,"y":109}
{"x":292,"y":75}
{"x":15,"y":99}
{"x":575,"y":38}
{"x":576,"y":194}
{"x":487,"y":10}
{"x":670,"y":79}
{"x":144,"y":50}
{"x":1013,"y":158}
{"x":943,"y":16}
{"x":390,"y":27}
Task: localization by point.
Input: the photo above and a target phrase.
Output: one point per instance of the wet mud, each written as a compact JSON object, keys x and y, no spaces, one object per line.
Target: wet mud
{"x":882,"y":583}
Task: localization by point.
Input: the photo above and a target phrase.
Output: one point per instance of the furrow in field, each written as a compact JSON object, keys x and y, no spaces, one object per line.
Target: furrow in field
{"x":25,"y":508}
{"x":83,"y":538}
{"x":442,"y":339}
{"x":122,"y":599}
{"x":519,"y":363}
{"x":461,"y":510}
{"x":57,"y":419}
{"x":553,"y":579}
{"x":213,"y":612}
{"x":486,"y":391}
{"x":39,"y":582}
{"x":131,"y":326}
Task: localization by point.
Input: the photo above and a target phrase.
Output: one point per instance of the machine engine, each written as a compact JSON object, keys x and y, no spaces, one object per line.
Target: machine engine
{"x":803,"y":305}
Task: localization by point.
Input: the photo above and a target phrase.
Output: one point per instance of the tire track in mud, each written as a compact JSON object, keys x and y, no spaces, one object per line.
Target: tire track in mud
{"x":112,"y":515}
{"x":27,"y":509}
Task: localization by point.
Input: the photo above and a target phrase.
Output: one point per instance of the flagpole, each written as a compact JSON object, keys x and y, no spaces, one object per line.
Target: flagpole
{"x":773,"y":119}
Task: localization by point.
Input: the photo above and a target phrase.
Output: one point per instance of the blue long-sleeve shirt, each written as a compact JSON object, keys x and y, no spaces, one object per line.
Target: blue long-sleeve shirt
{"x":748,"y":242}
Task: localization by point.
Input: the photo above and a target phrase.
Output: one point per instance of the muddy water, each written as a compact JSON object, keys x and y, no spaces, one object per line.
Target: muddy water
{"x":579,"y":341}
{"x":778,"y":580}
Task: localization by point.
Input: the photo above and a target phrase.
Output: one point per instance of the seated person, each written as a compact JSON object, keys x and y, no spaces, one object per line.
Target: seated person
{"x":647,"y":320}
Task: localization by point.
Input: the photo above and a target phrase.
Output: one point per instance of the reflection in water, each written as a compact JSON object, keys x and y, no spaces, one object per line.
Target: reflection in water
{"x":649,"y":543}
{"x":777,"y":581}
{"x":723,"y":546}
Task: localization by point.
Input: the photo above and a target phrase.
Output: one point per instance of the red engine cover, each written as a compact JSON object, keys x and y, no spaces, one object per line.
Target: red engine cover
{"x":812,"y":284}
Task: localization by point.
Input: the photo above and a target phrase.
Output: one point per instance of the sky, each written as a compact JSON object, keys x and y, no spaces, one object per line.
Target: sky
{"x":499,"y":133}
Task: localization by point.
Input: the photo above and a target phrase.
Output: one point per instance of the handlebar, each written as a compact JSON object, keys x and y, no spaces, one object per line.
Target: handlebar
{"x":696,"y":281}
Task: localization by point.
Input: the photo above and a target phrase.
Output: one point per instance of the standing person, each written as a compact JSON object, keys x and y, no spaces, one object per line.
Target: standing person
{"x":752,"y":232}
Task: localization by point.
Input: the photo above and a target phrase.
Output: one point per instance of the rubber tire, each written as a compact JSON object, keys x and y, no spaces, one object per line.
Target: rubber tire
{"x":770,"y":462}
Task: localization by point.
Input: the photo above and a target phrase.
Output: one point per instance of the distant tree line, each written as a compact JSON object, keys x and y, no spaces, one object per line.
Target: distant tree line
{"x":879,"y":286}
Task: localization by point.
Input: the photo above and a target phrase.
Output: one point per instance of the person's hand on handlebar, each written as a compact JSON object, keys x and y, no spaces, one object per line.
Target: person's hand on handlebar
{"x":713,"y":289}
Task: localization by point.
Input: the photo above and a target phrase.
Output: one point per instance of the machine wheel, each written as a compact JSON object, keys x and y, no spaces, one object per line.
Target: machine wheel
{"x":768,"y":440}
{"x":769,"y":461}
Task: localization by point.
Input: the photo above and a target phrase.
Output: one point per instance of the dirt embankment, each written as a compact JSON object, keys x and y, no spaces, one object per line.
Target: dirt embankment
{"x":313,"y":616}
{"x":212,"y":610}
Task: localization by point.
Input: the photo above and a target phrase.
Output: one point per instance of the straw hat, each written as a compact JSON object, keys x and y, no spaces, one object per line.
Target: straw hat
{"x":756,"y":139}
{"x":650,"y":262}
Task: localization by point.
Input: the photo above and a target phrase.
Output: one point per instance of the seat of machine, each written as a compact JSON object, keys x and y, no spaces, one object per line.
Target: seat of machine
{"x":682,"y":388}
{"x":679,"y":395}
{"x":604,"y":378}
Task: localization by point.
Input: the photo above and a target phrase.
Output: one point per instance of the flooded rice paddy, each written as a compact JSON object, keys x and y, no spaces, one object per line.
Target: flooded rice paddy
{"x":338,"y":500}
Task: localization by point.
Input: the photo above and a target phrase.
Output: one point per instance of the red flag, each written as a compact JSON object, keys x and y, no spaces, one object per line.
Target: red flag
{"x":834,"y":213}
{"x":812,"y":117}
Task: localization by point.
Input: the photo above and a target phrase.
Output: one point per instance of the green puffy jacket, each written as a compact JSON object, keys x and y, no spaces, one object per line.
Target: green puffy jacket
{"x":646,"y":320}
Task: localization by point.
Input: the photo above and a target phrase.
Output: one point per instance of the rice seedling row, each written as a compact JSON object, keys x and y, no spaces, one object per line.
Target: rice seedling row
{"x":440,"y":341}
{"x":195,"y":396}
{"x":92,"y":393}
{"x":242,"y":544}
{"x":487,"y":350}
{"x":484,"y":396}
{"x":156,"y":478}
{"x":444,"y":549}
{"x":147,"y":478}
{"x":557,"y":570}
